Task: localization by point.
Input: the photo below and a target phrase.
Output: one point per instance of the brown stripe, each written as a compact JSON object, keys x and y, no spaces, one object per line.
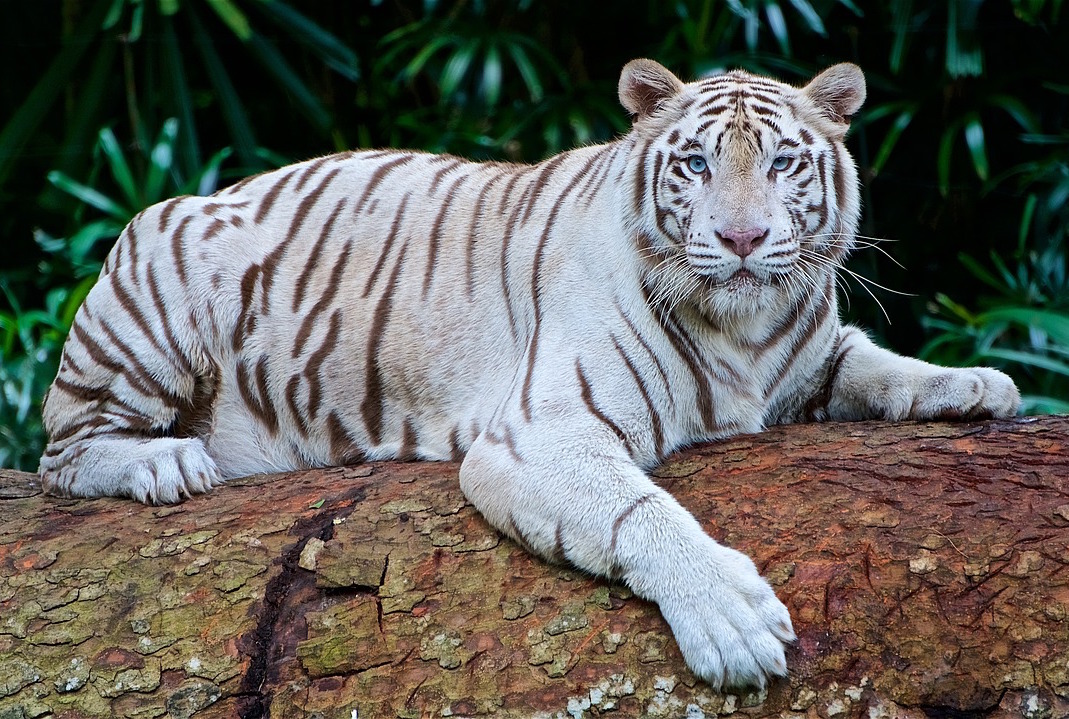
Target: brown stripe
{"x":316,"y":360}
{"x":309,"y":171}
{"x":132,"y":309}
{"x":622,"y":517}
{"x":519,"y":537}
{"x":267,"y":274}
{"x":136,"y":373}
{"x":380,"y":173}
{"x":308,"y":202}
{"x":315,"y":256}
{"x":371,"y":408}
{"x":649,"y":351}
{"x":536,"y":282}
{"x":324,"y":301}
{"x":559,"y":555}
{"x":256,"y":398}
{"x":178,"y":250}
{"x":398,"y":218}
{"x":816,"y":321}
{"x":542,"y":180}
{"x":678,"y":341}
{"x":655,"y":416}
{"x":592,"y":407}
{"x":440,"y":174}
{"x":343,"y":448}
{"x":271,"y":195}
{"x":473,"y":232}
{"x":243,"y":327}
{"x":168,"y":209}
{"x":214,"y":229}
{"x":407,"y":451}
{"x":292,"y":386}
{"x":455,"y":453}
{"x":164,"y":314}
{"x":436,"y":232}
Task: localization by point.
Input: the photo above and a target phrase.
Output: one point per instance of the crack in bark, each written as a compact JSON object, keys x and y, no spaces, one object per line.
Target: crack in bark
{"x":261,"y":640}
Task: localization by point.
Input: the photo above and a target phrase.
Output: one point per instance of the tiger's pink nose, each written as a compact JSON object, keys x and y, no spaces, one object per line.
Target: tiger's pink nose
{"x":742,"y":242}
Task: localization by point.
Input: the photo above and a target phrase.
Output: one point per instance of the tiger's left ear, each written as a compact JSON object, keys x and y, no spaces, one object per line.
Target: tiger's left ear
{"x":839,"y":92}
{"x":645,"y":85}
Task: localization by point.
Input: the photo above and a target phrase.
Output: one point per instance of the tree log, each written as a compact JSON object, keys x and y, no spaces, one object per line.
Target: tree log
{"x":926,"y":567}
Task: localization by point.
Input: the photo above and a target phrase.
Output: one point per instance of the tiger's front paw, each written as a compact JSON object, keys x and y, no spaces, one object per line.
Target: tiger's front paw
{"x":970,"y":393}
{"x":727,"y":620}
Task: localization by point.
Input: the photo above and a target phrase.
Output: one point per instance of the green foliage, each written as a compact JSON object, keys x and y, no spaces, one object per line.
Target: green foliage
{"x":1023,"y":327}
{"x":31,"y":339}
{"x":159,"y":49}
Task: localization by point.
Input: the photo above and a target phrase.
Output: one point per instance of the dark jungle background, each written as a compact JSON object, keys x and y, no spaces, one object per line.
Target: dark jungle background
{"x":108,"y":106}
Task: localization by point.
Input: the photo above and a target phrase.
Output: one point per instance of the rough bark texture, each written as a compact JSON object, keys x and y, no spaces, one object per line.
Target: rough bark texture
{"x":926,"y":567}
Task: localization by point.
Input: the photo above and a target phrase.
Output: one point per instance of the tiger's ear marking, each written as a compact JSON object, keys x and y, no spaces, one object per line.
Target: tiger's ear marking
{"x":838,"y":92}
{"x":645,"y":85}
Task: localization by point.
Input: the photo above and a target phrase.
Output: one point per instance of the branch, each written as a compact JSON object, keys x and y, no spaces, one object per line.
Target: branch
{"x":926,"y":567}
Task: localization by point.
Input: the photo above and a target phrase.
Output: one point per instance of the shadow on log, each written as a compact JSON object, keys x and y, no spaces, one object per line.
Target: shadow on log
{"x":926,"y":567}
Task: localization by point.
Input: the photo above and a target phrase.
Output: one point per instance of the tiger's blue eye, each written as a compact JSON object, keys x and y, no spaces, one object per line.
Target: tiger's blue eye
{"x":697,"y":164}
{"x":781,"y":163}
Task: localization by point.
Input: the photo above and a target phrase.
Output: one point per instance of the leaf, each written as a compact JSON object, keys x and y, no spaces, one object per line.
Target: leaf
{"x":901,"y":23}
{"x":778,"y":25}
{"x":491,"y":83}
{"x":527,"y":71}
{"x":891,"y":139}
{"x":945,"y":155}
{"x":1054,"y":324}
{"x":161,"y":162}
{"x":326,"y":46}
{"x":234,"y":114}
{"x":55,"y":80}
{"x":1029,"y":359}
{"x":811,"y":17}
{"x":120,"y":169}
{"x":1018,"y":111}
{"x":455,"y":70}
{"x":981,"y":273}
{"x":234,"y":18}
{"x":90,"y":196}
{"x":207,"y":181}
{"x":974,"y":138}
{"x":305,"y":99}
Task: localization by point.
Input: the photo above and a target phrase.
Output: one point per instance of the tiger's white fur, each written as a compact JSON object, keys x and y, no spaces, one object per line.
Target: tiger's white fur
{"x":561,"y":326}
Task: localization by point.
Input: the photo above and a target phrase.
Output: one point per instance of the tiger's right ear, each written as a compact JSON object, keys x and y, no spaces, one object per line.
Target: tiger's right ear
{"x":645,"y":85}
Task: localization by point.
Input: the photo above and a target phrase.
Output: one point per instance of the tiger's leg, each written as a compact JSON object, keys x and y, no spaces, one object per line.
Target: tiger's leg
{"x":132,"y":392}
{"x":869,"y":382}
{"x":565,"y":488}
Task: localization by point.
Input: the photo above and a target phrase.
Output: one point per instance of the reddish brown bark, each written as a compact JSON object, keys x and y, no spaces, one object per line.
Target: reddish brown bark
{"x":926,"y":567}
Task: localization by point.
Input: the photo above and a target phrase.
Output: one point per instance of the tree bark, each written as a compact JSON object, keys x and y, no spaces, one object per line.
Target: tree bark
{"x":926,"y":567}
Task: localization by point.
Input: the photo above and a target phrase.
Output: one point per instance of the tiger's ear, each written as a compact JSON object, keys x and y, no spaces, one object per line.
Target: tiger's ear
{"x":645,"y":85}
{"x":839,"y":92}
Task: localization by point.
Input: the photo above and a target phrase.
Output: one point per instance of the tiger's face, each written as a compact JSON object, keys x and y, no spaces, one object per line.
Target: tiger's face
{"x":752,"y":194}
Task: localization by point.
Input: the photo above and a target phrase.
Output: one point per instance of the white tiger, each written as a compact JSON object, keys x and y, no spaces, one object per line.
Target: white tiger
{"x":562,"y":327}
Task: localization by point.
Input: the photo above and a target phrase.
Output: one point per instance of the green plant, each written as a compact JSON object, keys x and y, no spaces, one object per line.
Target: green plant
{"x":144,"y":54}
{"x":31,"y":339}
{"x":1024,"y":326}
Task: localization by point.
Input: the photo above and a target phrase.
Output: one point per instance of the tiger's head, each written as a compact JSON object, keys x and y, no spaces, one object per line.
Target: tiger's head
{"x":744,"y":191}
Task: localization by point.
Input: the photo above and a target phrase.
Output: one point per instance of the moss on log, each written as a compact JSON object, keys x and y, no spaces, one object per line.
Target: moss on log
{"x":926,"y":567}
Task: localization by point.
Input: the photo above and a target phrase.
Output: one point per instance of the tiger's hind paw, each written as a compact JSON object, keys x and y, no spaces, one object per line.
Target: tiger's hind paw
{"x":152,"y":471}
{"x":173,"y":472}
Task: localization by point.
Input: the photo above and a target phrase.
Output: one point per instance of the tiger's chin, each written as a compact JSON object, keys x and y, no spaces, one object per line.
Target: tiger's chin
{"x":742,"y":295}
